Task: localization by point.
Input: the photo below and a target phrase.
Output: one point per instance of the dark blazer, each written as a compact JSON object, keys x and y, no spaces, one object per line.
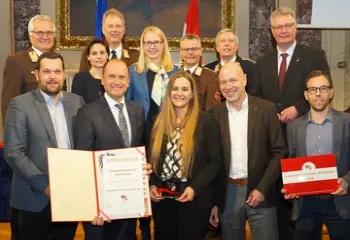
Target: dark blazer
{"x":207,"y":160}
{"x":265,"y":149}
{"x":247,"y":66}
{"x":207,"y":82}
{"x":305,"y":59}
{"x":28,"y":132}
{"x":341,"y":148}
{"x":96,"y":129}
{"x":18,"y":77}
{"x":129,"y":56}
{"x":86,"y":86}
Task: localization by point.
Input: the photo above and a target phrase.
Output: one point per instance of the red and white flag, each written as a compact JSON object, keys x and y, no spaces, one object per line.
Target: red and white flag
{"x":192,"y":18}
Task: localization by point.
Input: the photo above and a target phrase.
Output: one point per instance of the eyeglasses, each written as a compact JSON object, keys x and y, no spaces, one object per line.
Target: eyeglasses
{"x":194,"y":49}
{"x":322,"y":89}
{"x":287,"y":26}
{"x":154,"y":43}
{"x":41,"y":33}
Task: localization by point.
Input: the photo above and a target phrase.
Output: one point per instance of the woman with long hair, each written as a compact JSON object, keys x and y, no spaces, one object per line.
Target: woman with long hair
{"x":185,"y":154}
{"x":88,"y":84}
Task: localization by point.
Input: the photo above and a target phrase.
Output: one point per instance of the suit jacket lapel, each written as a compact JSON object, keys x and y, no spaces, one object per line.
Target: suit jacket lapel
{"x":338,"y":133}
{"x":273,"y":60}
{"x":225,"y":132}
{"x":41,"y":106}
{"x":301,"y":137}
{"x":143,"y":79}
{"x":109,"y":118}
{"x":132,"y":119}
{"x":252,"y":116}
{"x":69,"y":112}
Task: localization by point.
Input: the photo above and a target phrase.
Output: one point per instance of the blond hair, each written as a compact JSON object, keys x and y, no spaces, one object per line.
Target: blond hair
{"x":112,"y":12}
{"x":190,"y":36}
{"x":225,"y":30}
{"x":282,"y":12}
{"x":166,"y":63}
{"x":165,"y":125}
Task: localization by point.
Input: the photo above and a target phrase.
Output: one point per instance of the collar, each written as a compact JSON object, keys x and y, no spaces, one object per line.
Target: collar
{"x":119,"y":49}
{"x":192,"y":69}
{"x":37,"y":51}
{"x":244,"y":105}
{"x":329,"y":118}
{"x":111,"y":102}
{"x":290,"y":50}
{"x":49,"y":99}
{"x":232,"y":60}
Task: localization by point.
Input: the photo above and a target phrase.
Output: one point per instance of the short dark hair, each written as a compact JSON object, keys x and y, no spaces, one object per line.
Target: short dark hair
{"x":96,"y":41}
{"x":319,"y":73}
{"x":49,"y":55}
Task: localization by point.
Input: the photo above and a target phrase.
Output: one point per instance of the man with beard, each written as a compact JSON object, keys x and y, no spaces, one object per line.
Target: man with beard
{"x":322,"y":130}
{"x":36,"y":120}
{"x":19,"y":67}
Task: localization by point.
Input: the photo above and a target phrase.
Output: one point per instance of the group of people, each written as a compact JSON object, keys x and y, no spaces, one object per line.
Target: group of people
{"x":215,"y":134}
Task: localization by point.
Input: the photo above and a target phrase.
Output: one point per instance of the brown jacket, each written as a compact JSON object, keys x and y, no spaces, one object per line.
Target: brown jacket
{"x":207,"y":82}
{"x":18,"y":77}
{"x":129,"y":56}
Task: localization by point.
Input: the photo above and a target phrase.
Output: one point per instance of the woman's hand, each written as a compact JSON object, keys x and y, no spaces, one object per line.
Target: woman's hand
{"x":187,"y":195}
{"x":155,"y":195}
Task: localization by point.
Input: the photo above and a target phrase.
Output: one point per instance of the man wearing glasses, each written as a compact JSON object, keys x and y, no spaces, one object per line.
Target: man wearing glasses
{"x":280,"y":77}
{"x":19,"y":68}
{"x":322,"y":130}
{"x":227,"y":47}
{"x":207,"y":80}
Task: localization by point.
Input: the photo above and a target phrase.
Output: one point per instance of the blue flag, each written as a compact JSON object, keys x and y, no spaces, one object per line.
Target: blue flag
{"x":101,"y":8}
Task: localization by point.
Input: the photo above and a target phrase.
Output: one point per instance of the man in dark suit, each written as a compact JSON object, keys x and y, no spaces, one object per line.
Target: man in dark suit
{"x":206,"y":80}
{"x":111,"y":122}
{"x":280,"y":77}
{"x":322,"y":130}
{"x":253,"y":146}
{"x":113,"y":28}
{"x":36,"y":120}
{"x":226,"y":47}
{"x":19,"y":68}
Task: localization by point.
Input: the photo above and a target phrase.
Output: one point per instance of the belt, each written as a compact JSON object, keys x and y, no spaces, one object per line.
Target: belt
{"x":243,"y":181}
{"x":324,"y":196}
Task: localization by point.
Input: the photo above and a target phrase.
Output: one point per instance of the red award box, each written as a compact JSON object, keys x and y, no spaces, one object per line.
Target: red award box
{"x":312,"y":175}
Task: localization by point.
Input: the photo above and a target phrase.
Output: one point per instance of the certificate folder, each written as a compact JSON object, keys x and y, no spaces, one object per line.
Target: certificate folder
{"x":311,"y":175}
{"x":111,"y":184}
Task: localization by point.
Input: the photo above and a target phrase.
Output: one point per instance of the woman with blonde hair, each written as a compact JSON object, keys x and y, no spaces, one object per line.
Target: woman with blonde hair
{"x":186,"y":158}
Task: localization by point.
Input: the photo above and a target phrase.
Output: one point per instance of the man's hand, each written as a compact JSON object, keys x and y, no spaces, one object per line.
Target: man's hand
{"x":155,"y":195}
{"x":98,"y":221}
{"x":342,"y":189}
{"x":214,"y":217}
{"x":287,"y":195}
{"x":47,"y":190}
{"x":255,"y":198}
{"x":187,"y":195}
{"x":289,"y":114}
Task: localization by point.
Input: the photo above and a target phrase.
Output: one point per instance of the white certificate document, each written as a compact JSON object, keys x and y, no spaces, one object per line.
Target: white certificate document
{"x":111,"y":184}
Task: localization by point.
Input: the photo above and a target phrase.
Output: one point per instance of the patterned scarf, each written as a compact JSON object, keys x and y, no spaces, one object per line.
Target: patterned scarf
{"x":160,"y":83}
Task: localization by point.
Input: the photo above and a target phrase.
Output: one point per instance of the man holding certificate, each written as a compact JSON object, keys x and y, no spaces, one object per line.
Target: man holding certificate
{"x":111,"y":122}
{"x":321,"y":131}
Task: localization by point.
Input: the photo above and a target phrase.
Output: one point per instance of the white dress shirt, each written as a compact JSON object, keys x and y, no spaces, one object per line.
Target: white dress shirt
{"x":118,"y":51}
{"x":115,"y":111}
{"x":232,"y":60}
{"x":289,"y":51}
{"x":37,"y":51}
{"x":238,"y":124}
{"x":191,"y":69}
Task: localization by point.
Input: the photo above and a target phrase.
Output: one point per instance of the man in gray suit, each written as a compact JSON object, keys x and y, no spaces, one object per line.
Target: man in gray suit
{"x":36,"y":120}
{"x":322,"y":130}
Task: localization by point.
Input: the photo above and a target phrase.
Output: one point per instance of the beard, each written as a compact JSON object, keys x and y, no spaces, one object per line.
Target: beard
{"x":51,"y":92}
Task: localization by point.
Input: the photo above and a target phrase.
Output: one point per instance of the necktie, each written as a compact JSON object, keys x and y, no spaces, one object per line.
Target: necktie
{"x":123,"y":127}
{"x":114,"y":54}
{"x":283,"y":69}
